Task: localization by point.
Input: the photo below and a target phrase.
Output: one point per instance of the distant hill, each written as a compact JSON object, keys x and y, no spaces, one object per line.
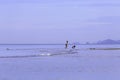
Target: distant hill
{"x":109,"y":41}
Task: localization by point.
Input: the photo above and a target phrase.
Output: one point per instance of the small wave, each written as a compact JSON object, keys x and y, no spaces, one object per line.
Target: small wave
{"x":41,"y":54}
{"x":25,"y":56}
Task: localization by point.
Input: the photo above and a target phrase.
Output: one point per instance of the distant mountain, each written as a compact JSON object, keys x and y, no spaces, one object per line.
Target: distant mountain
{"x":109,"y":41}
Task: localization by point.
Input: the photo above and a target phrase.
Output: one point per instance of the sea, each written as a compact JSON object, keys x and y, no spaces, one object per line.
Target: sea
{"x":33,"y":50}
{"x":54,"y":62}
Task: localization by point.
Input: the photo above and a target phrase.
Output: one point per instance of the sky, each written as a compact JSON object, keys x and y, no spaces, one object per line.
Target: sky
{"x":55,"y":21}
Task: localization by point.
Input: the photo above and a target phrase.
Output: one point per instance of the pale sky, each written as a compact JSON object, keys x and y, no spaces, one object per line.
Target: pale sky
{"x":55,"y":21}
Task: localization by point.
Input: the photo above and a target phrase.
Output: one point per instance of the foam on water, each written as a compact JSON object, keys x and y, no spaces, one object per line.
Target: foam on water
{"x":34,"y":52}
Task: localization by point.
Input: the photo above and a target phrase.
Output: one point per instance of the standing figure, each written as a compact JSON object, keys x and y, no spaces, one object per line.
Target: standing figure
{"x":66,"y":45}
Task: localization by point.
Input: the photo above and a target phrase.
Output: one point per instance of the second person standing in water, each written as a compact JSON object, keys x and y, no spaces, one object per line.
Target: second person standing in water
{"x":73,"y":47}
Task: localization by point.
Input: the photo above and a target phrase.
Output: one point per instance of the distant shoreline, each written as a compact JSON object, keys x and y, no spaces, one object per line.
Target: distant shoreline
{"x":104,"y":48}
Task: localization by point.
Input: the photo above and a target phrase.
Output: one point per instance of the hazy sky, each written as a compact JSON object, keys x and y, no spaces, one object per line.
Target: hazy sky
{"x":55,"y":21}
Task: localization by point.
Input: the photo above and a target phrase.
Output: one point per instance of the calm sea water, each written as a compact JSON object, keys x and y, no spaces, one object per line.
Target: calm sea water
{"x":56,"y":46}
{"x":82,"y":64}
{"x":47,"y":50}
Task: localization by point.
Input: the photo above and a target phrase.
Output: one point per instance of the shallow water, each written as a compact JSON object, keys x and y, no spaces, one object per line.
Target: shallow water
{"x":7,"y":51}
{"x":32,"y":62}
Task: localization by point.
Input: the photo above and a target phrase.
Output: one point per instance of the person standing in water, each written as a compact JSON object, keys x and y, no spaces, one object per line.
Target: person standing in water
{"x":66,"y":45}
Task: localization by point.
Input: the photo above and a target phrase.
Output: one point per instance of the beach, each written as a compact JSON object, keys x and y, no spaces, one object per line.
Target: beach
{"x":66,"y":64}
